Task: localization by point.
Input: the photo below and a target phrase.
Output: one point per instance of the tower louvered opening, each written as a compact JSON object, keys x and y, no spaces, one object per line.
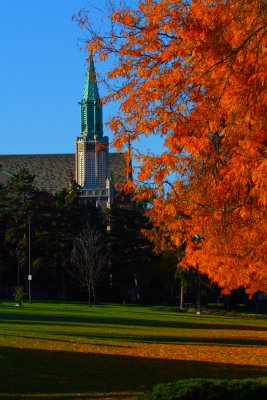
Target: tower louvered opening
{"x":90,"y":117}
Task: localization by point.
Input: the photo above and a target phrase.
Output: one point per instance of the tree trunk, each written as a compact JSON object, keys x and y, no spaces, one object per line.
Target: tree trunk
{"x":227,"y":303}
{"x":94,"y":293}
{"x":198,"y":293}
{"x":89,"y":296}
{"x":138,"y":296}
{"x":182,"y":294}
{"x":255,"y":303}
{"x":62,"y":283}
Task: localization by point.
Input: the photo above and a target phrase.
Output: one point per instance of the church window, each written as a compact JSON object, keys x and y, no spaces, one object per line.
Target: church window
{"x":90,"y":170}
{"x":102,"y":165}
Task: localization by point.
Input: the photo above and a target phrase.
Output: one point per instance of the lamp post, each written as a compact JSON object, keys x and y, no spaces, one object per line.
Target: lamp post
{"x":29,"y":254}
{"x":18,"y":253}
{"x":198,"y":294}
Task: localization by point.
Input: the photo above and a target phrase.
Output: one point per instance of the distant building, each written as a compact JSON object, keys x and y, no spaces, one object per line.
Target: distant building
{"x":96,"y":170}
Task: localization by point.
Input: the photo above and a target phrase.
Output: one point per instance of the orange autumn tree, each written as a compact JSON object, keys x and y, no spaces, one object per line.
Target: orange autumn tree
{"x":194,"y":73}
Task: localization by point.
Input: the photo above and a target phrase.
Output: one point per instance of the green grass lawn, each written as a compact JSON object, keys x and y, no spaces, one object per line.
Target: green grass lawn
{"x":70,"y":351}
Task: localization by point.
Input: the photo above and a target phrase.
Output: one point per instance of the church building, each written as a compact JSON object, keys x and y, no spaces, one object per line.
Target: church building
{"x":96,"y":171}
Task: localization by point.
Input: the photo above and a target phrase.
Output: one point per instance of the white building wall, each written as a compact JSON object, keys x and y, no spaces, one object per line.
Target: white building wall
{"x":81,"y":168}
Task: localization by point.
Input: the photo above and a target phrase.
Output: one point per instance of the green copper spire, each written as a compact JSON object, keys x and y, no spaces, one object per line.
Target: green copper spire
{"x":91,"y":107}
{"x":90,"y":89}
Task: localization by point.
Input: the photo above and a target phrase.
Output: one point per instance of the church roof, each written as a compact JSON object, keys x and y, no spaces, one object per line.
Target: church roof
{"x":52,"y":171}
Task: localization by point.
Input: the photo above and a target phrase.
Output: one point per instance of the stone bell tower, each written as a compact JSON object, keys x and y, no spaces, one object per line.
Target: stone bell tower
{"x":92,"y":148}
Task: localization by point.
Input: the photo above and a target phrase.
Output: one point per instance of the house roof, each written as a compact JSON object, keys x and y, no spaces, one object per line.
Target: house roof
{"x":52,"y":171}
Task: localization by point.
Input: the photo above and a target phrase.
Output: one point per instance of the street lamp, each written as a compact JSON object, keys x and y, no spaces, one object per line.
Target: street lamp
{"x":29,"y":274}
{"x":18,"y":253}
{"x":198,"y":294}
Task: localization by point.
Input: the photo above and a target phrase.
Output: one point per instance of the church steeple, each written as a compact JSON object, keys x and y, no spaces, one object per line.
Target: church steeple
{"x":90,"y":90}
{"x":92,"y":148}
{"x":91,"y":107}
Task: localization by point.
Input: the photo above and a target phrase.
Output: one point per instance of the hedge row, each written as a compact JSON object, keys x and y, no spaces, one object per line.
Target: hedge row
{"x":209,"y":389}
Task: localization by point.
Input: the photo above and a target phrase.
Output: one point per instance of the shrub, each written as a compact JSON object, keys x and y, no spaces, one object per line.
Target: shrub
{"x":166,"y":308}
{"x":19,"y":294}
{"x":211,"y":389}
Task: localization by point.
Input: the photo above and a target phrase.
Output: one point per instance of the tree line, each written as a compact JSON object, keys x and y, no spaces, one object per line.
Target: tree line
{"x":68,"y":238}
{"x":78,"y":252}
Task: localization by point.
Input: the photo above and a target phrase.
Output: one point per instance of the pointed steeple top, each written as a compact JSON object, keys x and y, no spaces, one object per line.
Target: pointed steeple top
{"x":90,"y":89}
{"x":91,"y":107}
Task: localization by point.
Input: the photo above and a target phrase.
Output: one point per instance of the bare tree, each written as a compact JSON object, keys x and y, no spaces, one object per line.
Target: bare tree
{"x":88,"y":259}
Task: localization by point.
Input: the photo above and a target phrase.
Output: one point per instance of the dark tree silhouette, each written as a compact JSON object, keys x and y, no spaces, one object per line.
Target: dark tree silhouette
{"x":88,"y":260}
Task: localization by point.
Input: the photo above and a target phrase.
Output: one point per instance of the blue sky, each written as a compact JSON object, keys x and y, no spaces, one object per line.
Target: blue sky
{"x":42,"y":75}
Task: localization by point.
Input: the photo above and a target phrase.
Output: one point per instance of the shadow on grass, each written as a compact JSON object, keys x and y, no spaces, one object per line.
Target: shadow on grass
{"x":25,"y":371}
{"x":123,"y":339}
{"x":20,"y":318}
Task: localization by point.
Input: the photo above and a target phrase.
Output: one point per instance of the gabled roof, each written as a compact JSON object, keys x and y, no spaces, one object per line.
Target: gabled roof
{"x":52,"y":171}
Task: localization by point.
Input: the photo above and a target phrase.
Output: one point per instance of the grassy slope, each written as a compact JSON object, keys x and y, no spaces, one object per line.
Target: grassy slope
{"x":69,"y":351}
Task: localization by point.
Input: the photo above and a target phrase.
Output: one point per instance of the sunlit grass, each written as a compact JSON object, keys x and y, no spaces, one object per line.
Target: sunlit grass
{"x":68,"y":350}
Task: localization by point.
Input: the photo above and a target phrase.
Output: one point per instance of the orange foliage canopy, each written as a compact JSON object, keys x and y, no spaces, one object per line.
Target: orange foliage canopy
{"x":194,"y":72}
